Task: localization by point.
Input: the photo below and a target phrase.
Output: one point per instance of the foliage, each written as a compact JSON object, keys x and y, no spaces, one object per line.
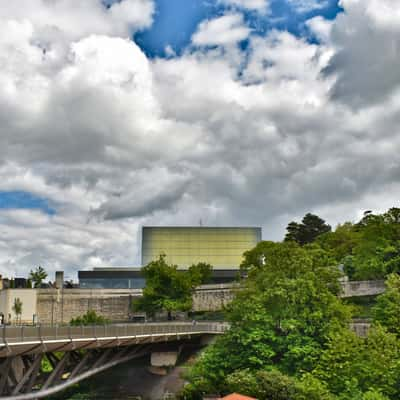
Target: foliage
{"x":308,"y":230}
{"x":289,"y":333}
{"x":274,"y":385}
{"x":200,"y":273}
{"x":17,"y":307}
{"x":362,"y":306}
{"x":369,"y":249}
{"x":279,"y":319}
{"x":38,"y":276}
{"x":169,"y":289}
{"x":387,"y":308}
{"x":271,"y":385}
{"x":90,"y":318}
{"x":351,"y":366}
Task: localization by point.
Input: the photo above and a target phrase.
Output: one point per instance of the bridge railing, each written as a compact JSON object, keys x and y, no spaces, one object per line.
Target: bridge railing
{"x":16,"y":334}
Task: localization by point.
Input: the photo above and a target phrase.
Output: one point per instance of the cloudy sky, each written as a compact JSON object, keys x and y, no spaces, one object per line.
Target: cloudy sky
{"x":115,"y":115}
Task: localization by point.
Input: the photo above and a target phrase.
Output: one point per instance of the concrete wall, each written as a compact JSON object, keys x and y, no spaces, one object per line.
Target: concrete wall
{"x":28,"y":298}
{"x":362,"y":288}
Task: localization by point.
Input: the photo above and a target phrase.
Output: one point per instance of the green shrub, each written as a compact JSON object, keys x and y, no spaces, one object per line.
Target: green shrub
{"x":90,"y":318}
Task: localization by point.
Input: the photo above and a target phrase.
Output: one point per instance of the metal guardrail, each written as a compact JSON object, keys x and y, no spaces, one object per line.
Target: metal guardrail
{"x":40,"y":333}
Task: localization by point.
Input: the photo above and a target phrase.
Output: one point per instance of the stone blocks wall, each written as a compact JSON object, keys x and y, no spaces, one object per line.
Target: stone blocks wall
{"x":61,"y":305}
{"x":362,"y":288}
{"x":213,"y":297}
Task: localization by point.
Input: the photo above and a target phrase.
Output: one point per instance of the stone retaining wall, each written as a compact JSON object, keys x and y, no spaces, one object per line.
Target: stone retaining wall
{"x":60,"y":306}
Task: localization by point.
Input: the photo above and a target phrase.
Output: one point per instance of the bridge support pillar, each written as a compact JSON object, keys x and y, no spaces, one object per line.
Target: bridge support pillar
{"x":18,"y":367}
{"x":164,"y":358}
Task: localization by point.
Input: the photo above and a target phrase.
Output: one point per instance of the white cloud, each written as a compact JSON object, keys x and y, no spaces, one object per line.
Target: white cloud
{"x":58,"y":19}
{"x":366,"y":63}
{"x":321,"y":28}
{"x":258,"y":5}
{"x":305,"y":6}
{"x":114,"y":140}
{"x":225,"y":30}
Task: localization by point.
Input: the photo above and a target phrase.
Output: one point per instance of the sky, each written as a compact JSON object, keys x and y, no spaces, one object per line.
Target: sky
{"x":119,"y":114}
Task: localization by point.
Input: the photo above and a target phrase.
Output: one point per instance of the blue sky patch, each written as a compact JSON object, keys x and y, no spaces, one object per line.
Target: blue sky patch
{"x":24,"y":200}
{"x":175,"y":21}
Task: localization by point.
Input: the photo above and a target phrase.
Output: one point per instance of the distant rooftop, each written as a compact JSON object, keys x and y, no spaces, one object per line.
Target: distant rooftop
{"x":237,"y":396}
{"x":199,"y":227}
{"x":119,"y":268}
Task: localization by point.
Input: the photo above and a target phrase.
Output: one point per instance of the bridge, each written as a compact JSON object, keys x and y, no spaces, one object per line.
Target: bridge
{"x":78,"y":352}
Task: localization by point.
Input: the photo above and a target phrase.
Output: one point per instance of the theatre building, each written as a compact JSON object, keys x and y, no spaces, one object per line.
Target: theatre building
{"x":222,"y":247}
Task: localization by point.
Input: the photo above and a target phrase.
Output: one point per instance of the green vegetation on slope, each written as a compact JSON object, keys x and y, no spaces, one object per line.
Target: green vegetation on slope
{"x":290,"y":336}
{"x":368,"y":249}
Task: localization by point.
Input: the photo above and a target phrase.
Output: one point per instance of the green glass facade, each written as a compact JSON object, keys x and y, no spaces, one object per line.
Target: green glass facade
{"x":222,"y":247}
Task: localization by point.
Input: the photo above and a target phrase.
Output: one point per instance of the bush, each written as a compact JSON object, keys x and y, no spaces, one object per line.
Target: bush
{"x":90,"y":318}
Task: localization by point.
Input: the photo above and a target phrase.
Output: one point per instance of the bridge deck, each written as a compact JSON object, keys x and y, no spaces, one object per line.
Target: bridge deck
{"x":17,"y":340}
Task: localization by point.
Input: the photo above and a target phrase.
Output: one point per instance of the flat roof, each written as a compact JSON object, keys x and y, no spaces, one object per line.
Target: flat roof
{"x":136,"y":273}
{"x":116,"y":269}
{"x":201,"y":227}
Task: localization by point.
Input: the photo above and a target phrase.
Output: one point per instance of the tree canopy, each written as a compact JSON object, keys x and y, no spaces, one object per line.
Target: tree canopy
{"x":38,"y":276}
{"x":290,"y":337}
{"x":387,"y":308}
{"x":308,"y":230}
{"x":368,"y":249}
{"x":279,"y":319}
{"x":17,"y":308}
{"x":167,"y":288}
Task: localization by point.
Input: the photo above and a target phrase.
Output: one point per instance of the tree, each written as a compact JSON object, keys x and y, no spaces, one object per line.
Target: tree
{"x":341,"y":242}
{"x":38,"y":276}
{"x":17,"y":308}
{"x":387,"y":308}
{"x":255,"y":258}
{"x":168,"y":289}
{"x":200,"y":273}
{"x":361,"y":368}
{"x":310,"y":228}
{"x":279,"y":319}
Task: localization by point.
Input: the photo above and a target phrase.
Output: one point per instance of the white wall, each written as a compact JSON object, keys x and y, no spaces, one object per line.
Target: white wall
{"x":28,"y":299}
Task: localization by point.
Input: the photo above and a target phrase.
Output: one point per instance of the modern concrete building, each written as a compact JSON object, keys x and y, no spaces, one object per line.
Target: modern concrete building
{"x":222,"y":247}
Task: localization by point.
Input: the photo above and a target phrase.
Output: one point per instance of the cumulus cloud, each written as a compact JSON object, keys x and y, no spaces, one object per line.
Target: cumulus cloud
{"x":114,"y":140}
{"x":225,"y":30}
{"x":367,"y":61}
{"x":321,"y":28}
{"x":258,"y":5}
{"x":304,"y":6}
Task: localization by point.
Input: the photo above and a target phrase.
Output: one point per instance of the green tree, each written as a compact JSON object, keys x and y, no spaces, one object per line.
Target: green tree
{"x":279,"y":319}
{"x":387,"y":308}
{"x":341,"y":242}
{"x":90,"y":318}
{"x":200,"y":273}
{"x":255,"y":258}
{"x":168,"y":289}
{"x":17,"y":308}
{"x":38,"y":276}
{"x":310,"y":228}
{"x":360,"y":368}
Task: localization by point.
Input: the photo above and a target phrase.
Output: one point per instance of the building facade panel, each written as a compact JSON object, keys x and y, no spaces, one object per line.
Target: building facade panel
{"x":222,"y":247}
